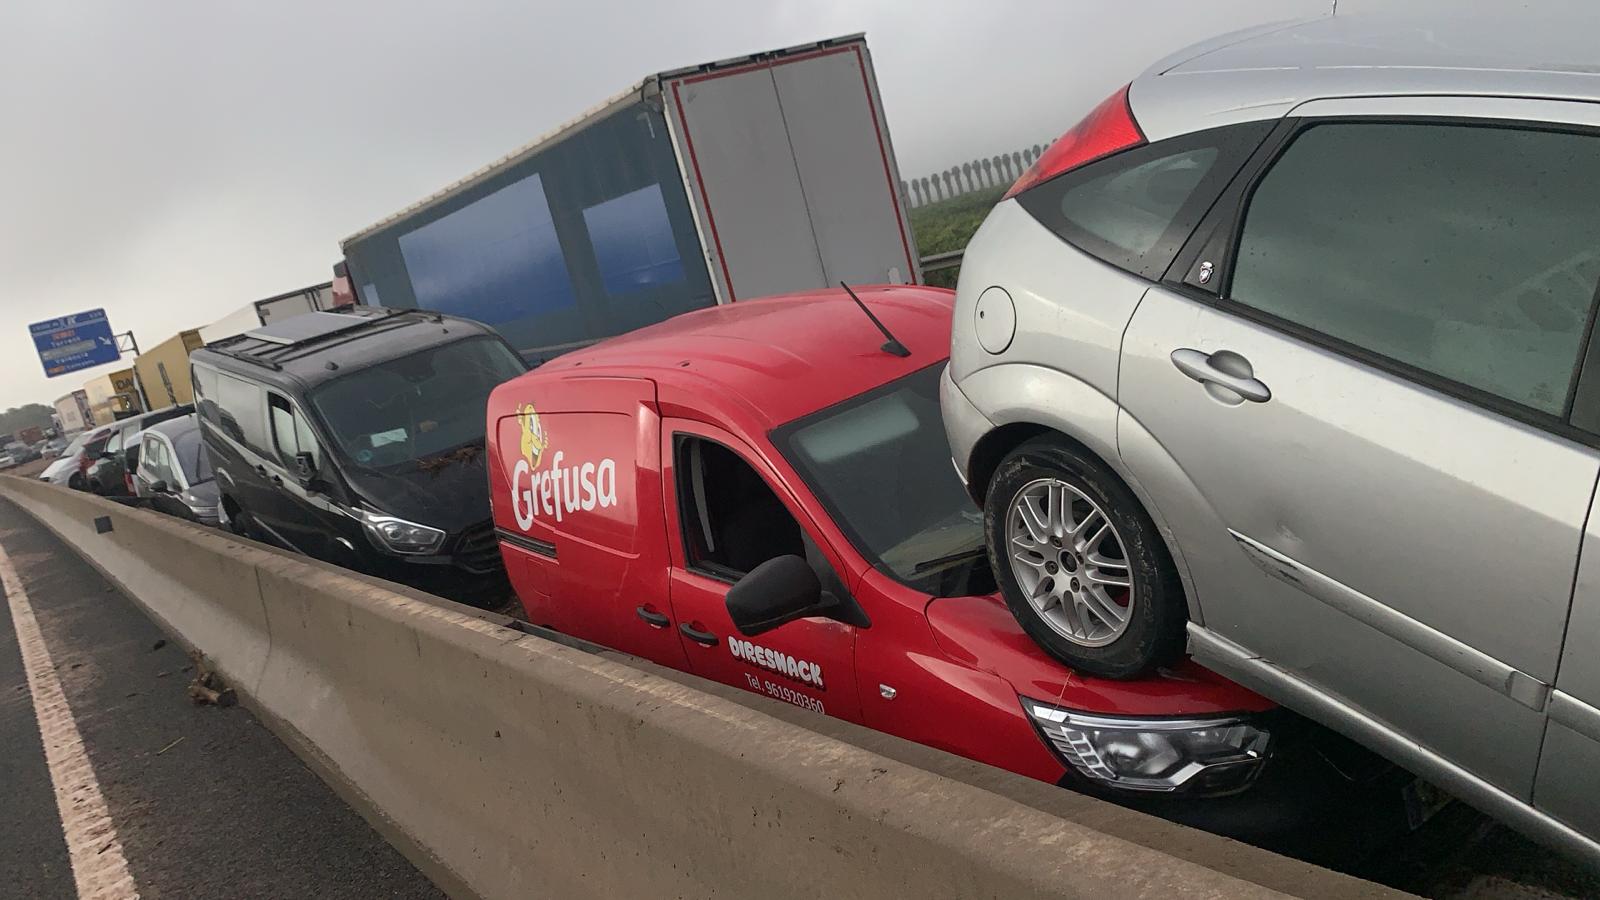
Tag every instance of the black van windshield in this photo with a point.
(880, 463)
(418, 405)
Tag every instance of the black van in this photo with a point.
(357, 437)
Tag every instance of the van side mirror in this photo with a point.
(159, 487)
(305, 468)
(779, 590)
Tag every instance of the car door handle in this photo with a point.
(703, 638)
(652, 618)
(1223, 368)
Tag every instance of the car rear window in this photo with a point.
(1135, 209)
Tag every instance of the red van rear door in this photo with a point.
(578, 509)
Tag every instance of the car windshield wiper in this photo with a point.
(939, 562)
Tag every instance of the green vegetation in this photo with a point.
(20, 417)
(948, 225)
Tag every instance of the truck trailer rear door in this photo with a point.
(790, 172)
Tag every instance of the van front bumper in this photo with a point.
(1319, 797)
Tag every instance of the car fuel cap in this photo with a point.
(995, 320)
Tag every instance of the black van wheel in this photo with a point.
(1080, 562)
(237, 520)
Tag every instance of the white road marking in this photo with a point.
(98, 866)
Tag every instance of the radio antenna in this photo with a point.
(890, 344)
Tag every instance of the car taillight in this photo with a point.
(1109, 128)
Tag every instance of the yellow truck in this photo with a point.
(164, 369)
(113, 396)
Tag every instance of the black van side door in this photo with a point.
(233, 418)
(308, 511)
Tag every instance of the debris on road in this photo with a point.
(158, 645)
(207, 686)
(169, 746)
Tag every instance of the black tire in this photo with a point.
(1156, 623)
(238, 520)
(76, 482)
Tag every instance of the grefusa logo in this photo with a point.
(558, 489)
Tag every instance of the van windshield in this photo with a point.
(880, 463)
(418, 405)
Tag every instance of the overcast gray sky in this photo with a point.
(172, 160)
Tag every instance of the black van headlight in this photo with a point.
(1190, 756)
(400, 536)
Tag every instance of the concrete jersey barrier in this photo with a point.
(507, 765)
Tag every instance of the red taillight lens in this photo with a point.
(1109, 128)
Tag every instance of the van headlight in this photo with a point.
(400, 536)
(1193, 757)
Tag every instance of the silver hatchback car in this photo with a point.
(1283, 357)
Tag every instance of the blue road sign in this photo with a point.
(70, 343)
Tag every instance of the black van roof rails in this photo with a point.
(268, 345)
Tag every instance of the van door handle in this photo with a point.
(703, 638)
(1225, 369)
(652, 618)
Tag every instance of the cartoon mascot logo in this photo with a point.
(533, 437)
(559, 489)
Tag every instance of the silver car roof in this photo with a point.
(1264, 72)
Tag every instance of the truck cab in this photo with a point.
(761, 494)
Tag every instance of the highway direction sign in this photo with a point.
(70, 343)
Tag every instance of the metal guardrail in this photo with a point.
(938, 261)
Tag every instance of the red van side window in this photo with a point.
(732, 521)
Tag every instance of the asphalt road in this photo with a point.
(205, 801)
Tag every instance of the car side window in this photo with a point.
(732, 520)
(291, 433)
(205, 393)
(1469, 252)
(114, 443)
(147, 458)
(155, 455)
(1135, 209)
(240, 414)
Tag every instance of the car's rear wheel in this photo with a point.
(1080, 562)
(76, 482)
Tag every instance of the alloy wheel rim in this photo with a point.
(1070, 562)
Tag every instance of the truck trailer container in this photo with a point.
(164, 369)
(72, 411)
(112, 397)
(736, 179)
(257, 313)
(292, 303)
